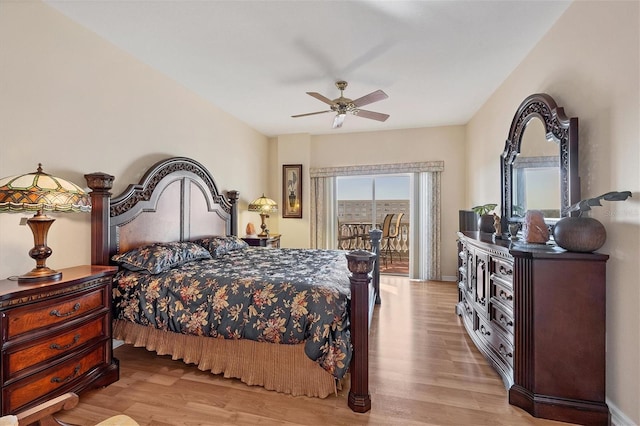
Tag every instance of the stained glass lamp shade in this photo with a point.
(39, 192)
(264, 206)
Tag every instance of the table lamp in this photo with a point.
(38, 192)
(264, 206)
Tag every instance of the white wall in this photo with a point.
(589, 63)
(292, 149)
(75, 103)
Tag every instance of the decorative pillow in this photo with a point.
(160, 257)
(219, 246)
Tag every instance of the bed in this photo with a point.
(291, 320)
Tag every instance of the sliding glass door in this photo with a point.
(379, 201)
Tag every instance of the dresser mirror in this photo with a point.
(539, 165)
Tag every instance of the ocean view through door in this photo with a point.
(378, 201)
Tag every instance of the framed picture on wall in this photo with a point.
(292, 191)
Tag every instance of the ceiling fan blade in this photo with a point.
(371, 114)
(372, 97)
(337, 122)
(310, 113)
(321, 98)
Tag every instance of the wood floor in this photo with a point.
(397, 267)
(424, 371)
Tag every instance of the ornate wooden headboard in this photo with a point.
(176, 200)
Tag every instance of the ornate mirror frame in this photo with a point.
(558, 128)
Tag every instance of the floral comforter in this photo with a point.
(270, 295)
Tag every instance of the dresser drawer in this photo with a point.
(501, 318)
(55, 380)
(502, 269)
(22, 357)
(60, 310)
(499, 344)
(501, 294)
(467, 312)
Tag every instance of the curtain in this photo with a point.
(322, 209)
(430, 220)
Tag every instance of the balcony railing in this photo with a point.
(355, 235)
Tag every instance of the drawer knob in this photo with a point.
(69, 377)
(484, 331)
(505, 271)
(67, 346)
(505, 296)
(56, 313)
(503, 351)
(503, 320)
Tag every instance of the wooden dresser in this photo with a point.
(56, 336)
(537, 313)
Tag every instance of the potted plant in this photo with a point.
(582, 233)
(485, 222)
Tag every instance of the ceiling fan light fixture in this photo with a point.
(343, 105)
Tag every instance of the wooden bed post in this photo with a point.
(360, 264)
(233, 196)
(100, 184)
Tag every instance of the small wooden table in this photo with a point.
(270, 241)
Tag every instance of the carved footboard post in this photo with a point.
(100, 184)
(360, 264)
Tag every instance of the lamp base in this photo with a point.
(263, 226)
(39, 274)
(40, 224)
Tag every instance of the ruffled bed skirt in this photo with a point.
(282, 368)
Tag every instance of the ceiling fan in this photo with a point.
(343, 105)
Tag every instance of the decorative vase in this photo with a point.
(485, 223)
(581, 234)
(292, 199)
(513, 230)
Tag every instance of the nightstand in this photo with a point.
(271, 241)
(56, 337)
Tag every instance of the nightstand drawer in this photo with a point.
(272, 241)
(42, 315)
(54, 380)
(18, 360)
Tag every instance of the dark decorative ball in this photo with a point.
(581, 234)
